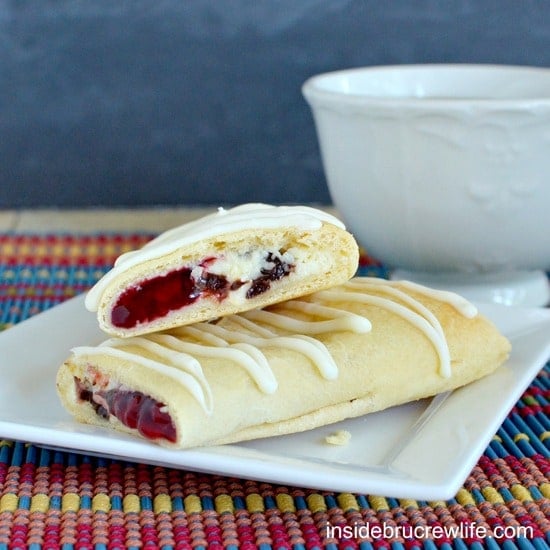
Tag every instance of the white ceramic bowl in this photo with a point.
(443, 170)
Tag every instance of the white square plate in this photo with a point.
(423, 450)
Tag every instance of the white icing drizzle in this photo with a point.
(239, 218)
(246, 356)
(336, 319)
(185, 379)
(177, 353)
(170, 350)
(199, 335)
(315, 350)
(437, 338)
(463, 306)
(252, 327)
(407, 307)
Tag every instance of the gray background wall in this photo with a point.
(166, 102)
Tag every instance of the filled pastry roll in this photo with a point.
(359, 347)
(231, 261)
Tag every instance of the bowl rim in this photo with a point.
(315, 93)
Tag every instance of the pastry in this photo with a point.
(231, 261)
(359, 347)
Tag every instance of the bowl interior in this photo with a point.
(437, 82)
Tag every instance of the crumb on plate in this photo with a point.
(341, 437)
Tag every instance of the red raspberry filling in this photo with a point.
(156, 297)
(134, 409)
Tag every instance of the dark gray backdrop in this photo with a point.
(166, 102)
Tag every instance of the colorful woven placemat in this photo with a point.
(52, 499)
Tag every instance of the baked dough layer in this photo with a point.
(234, 260)
(360, 347)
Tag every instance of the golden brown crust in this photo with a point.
(324, 258)
(392, 364)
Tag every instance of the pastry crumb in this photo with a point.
(341, 437)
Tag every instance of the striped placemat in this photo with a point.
(53, 499)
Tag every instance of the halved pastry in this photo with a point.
(360, 347)
(231, 261)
